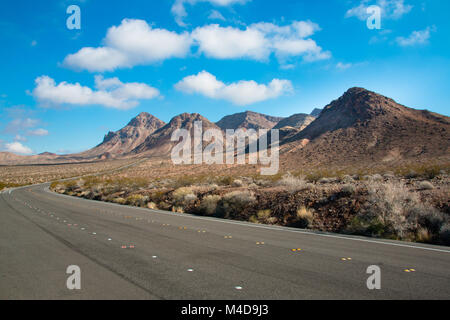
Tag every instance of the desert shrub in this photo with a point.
(208, 204)
(293, 183)
(237, 183)
(53, 185)
(136, 200)
(431, 172)
(225, 180)
(376, 177)
(236, 201)
(177, 209)
(427, 217)
(70, 186)
(347, 179)
(264, 215)
(190, 197)
(385, 211)
(213, 186)
(304, 217)
(157, 196)
(316, 175)
(119, 200)
(152, 205)
(184, 181)
(426, 185)
(348, 189)
(389, 176)
(423, 235)
(393, 211)
(444, 234)
(183, 195)
(253, 219)
(325, 180)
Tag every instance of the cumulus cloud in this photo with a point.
(415, 38)
(133, 42)
(240, 93)
(110, 93)
(390, 9)
(231, 43)
(258, 41)
(17, 147)
(179, 7)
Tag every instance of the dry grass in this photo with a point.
(363, 201)
(12, 176)
(292, 183)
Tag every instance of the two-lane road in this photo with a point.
(132, 253)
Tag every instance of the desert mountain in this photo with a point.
(365, 127)
(8, 158)
(127, 138)
(316, 112)
(159, 144)
(248, 120)
(299, 121)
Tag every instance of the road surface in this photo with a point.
(132, 253)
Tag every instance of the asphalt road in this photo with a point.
(131, 253)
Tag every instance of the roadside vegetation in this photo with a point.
(410, 204)
(21, 175)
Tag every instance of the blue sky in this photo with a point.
(61, 90)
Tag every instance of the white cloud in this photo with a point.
(133, 42)
(179, 10)
(259, 40)
(343, 66)
(240, 93)
(415, 38)
(18, 137)
(216, 15)
(110, 93)
(20, 124)
(231, 43)
(390, 9)
(17, 147)
(38, 132)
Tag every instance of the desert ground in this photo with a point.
(408, 203)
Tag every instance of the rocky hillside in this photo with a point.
(248, 120)
(366, 127)
(128, 138)
(299, 121)
(159, 144)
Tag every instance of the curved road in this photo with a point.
(132, 253)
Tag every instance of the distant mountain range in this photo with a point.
(360, 126)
